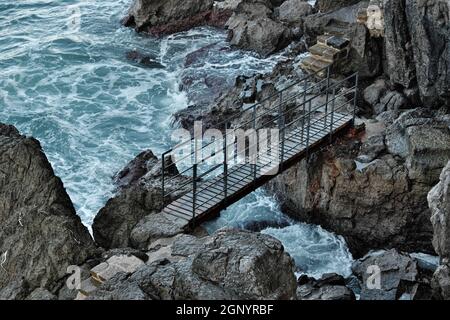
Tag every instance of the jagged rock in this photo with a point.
(439, 202)
(379, 201)
(390, 101)
(293, 11)
(330, 5)
(329, 287)
(441, 282)
(230, 264)
(373, 93)
(41, 235)
(423, 140)
(160, 17)
(114, 222)
(252, 28)
(135, 169)
(417, 47)
(41, 294)
(391, 267)
(144, 60)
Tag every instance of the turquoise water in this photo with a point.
(66, 81)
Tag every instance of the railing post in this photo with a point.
(194, 189)
(327, 97)
(332, 114)
(281, 128)
(304, 110)
(162, 182)
(225, 167)
(355, 97)
(308, 128)
(255, 160)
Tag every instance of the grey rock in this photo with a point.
(41, 294)
(393, 268)
(381, 200)
(441, 282)
(252, 28)
(330, 5)
(439, 202)
(391, 101)
(144, 14)
(417, 44)
(114, 223)
(230, 264)
(329, 287)
(293, 11)
(41, 234)
(374, 92)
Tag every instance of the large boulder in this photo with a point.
(293, 11)
(252, 27)
(417, 46)
(160, 17)
(140, 194)
(329, 287)
(390, 275)
(41, 235)
(372, 188)
(230, 264)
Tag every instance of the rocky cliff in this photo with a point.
(41, 235)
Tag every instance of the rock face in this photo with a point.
(439, 201)
(140, 195)
(329, 287)
(389, 275)
(252, 27)
(372, 189)
(292, 11)
(330, 5)
(41, 235)
(159, 17)
(229, 264)
(417, 46)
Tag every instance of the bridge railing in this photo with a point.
(294, 110)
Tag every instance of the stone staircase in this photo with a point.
(329, 50)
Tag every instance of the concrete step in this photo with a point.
(120, 263)
(325, 53)
(312, 64)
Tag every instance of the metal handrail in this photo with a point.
(282, 111)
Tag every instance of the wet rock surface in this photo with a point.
(166, 17)
(41, 235)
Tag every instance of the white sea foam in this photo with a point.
(93, 110)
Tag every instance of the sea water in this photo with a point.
(65, 80)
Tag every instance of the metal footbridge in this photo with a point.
(201, 177)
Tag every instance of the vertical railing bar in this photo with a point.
(332, 114)
(225, 166)
(355, 97)
(255, 159)
(327, 96)
(281, 128)
(304, 109)
(162, 182)
(308, 128)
